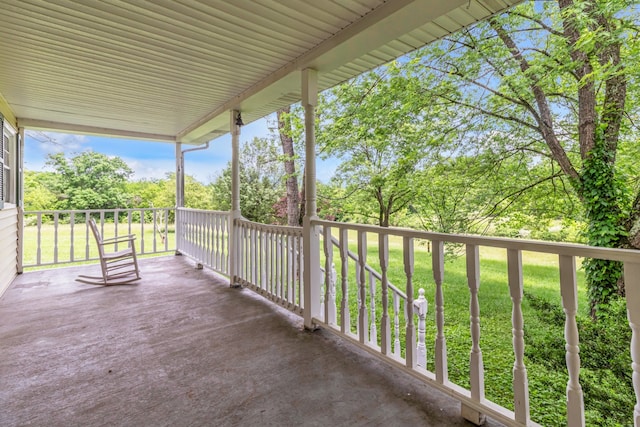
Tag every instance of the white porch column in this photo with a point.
(20, 198)
(234, 247)
(179, 176)
(311, 234)
(179, 194)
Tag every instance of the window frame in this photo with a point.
(8, 165)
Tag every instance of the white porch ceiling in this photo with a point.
(171, 69)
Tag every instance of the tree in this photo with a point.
(90, 180)
(261, 181)
(383, 133)
(161, 193)
(37, 195)
(555, 77)
(293, 193)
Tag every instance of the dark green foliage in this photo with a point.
(603, 197)
(261, 182)
(605, 373)
(89, 180)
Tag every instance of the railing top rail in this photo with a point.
(54, 211)
(570, 249)
(281, 228)
(203, 211)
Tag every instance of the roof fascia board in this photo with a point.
(7, 112)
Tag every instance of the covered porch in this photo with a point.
(181, 347)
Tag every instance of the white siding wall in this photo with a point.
(8, 247)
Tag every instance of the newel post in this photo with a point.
(311, 234)
(234, 246)
(632, 290)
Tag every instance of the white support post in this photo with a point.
(20, 200)
(312, 272)
(179, 193)
(179, 176)
(234, 242)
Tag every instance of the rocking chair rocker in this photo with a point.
(119, 267)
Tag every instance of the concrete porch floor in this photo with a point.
(181, 348)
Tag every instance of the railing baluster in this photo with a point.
(166, 229)
(520, 381)
(396, 324)
(289, 261)
(632, 291)
(345, 317)
(39, 244)
(55, 237)
(329, 290)
(437, 265)
(363, 324)
(385, 325)
(279, 266)
(254, 261)
(475, 358)
(71, 225)
(115, 226)
(269, 263)
(87, 216)
(411, 361)
(421, 348)
(263, 258)
(569, 293)
(154, 212)
(294, 268)
(142, 231)
(373, 329)
(301, 267)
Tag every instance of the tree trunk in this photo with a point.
(293, 201)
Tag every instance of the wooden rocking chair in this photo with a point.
(119, 267)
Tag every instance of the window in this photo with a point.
(8, 164)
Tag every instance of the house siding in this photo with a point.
(8, 247)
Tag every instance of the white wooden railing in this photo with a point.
(204, 236)
(369, 287)
(270, 261)
(384, 320)
(373, 293)
(63, 236)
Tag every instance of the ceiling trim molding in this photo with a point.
(90, 130)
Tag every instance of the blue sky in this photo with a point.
(149, 159)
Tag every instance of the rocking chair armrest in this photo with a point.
(119, 239)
